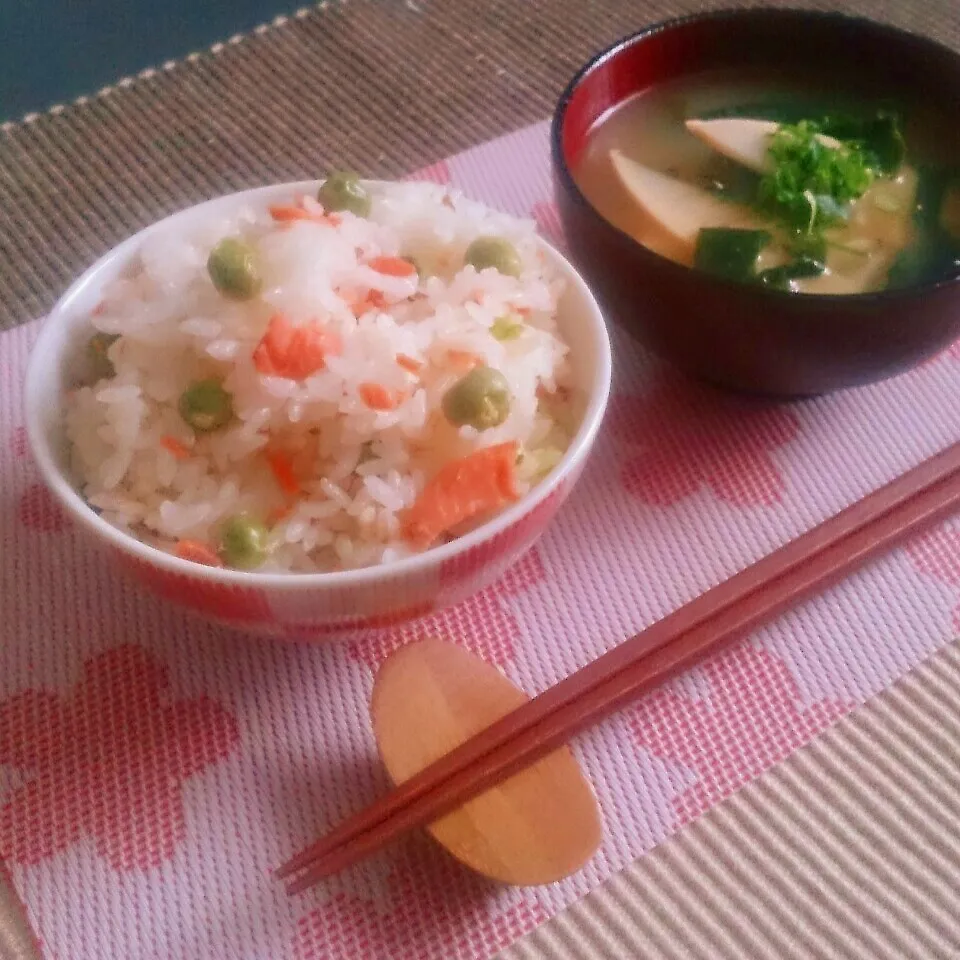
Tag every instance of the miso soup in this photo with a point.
(765, 180)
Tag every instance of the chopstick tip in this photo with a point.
(299, 861)
(300, 885)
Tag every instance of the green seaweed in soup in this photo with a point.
(936, 250)
(818, 193)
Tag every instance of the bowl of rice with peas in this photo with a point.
(315, 407)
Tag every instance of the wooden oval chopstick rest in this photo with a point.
(815, 560)
(535, 827)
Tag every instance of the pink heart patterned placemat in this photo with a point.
(155, 769)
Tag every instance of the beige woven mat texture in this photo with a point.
(381, 86)
(848, 850)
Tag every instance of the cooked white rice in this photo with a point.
(358, 469)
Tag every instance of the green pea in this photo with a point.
(344, 191)
(243, 543)
(206, 406)
(101, 366)
(233, 268)
(506, 328)
(481, 399)
(494, 252)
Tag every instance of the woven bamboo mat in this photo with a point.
(848, 850)
(382, 86)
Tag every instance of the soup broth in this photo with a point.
(763, 179)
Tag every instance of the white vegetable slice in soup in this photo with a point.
(861, 252)
(675, 211)
(743, 140)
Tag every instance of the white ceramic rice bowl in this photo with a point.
(309, 604)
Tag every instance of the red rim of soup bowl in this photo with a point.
(685, 47)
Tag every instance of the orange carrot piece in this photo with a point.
(465, 358)
(377, 397)
(180, 450)
(290, 213)
(410, 364)
(197, 552)
(287, 213)
(392, 266)
(294, 352)
(283, 472)
(270, 353)
(371, 300)
(477, 484)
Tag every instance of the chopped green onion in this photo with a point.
(812, 183)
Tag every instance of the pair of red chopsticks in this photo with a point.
(812, 562)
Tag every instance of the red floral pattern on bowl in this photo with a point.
(483, 623)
